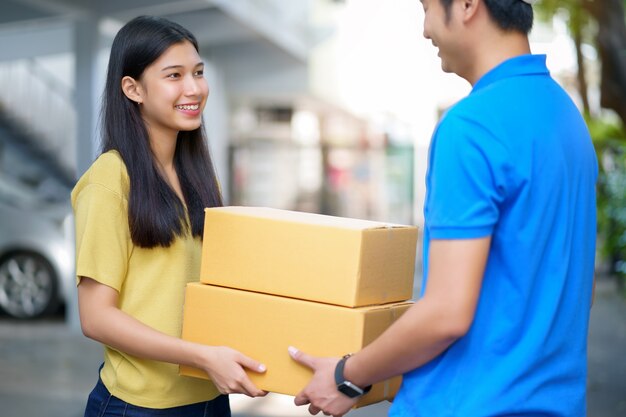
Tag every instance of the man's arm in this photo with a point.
(443, 315)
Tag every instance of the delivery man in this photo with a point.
(509, 241)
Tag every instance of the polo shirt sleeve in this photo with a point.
(466, 180)
(102, 235)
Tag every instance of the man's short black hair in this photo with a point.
(514, 15)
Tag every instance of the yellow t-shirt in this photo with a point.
(150, 283)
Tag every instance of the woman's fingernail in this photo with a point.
(262, 368)
(292, 350)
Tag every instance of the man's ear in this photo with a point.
(132, 89)
(470, 7)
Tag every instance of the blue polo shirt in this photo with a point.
(514, 161)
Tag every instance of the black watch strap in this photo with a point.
(347, 387)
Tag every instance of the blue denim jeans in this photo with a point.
(102, 404)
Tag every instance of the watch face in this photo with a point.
(349, 389)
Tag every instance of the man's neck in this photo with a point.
(499, 49)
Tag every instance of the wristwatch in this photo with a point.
(347, 387)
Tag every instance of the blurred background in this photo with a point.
(324, 106)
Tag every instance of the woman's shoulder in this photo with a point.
(107, 171)
(108, 164)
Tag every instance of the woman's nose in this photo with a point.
(192, 86)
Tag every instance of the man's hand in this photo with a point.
(321, 392)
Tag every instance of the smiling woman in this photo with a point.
(171, 92)
(139, 218)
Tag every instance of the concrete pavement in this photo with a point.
(45, 370)
(607, 353)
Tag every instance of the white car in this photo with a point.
(36, 253)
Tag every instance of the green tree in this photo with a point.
(580, 24)
(611, 45)
(601, 23)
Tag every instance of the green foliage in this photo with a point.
(610, 143)
(577, 17)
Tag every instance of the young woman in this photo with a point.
(139, 220)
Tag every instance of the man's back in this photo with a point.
(514, 161)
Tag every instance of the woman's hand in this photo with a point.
(225, 367)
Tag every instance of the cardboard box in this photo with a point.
(263, 326)
(313, 257)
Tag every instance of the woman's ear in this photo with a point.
(132, 89)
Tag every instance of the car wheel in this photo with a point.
(28, 286)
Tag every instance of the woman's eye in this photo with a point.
(173, 75)
(199, 73)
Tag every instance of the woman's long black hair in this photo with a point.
(155, 213)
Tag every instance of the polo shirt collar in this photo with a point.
(516, 66)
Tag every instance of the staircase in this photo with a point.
(37, 126)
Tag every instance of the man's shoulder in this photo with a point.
(473, 107)
(465, 118)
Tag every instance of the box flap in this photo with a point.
(307, 218)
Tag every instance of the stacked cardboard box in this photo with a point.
(275, 278)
